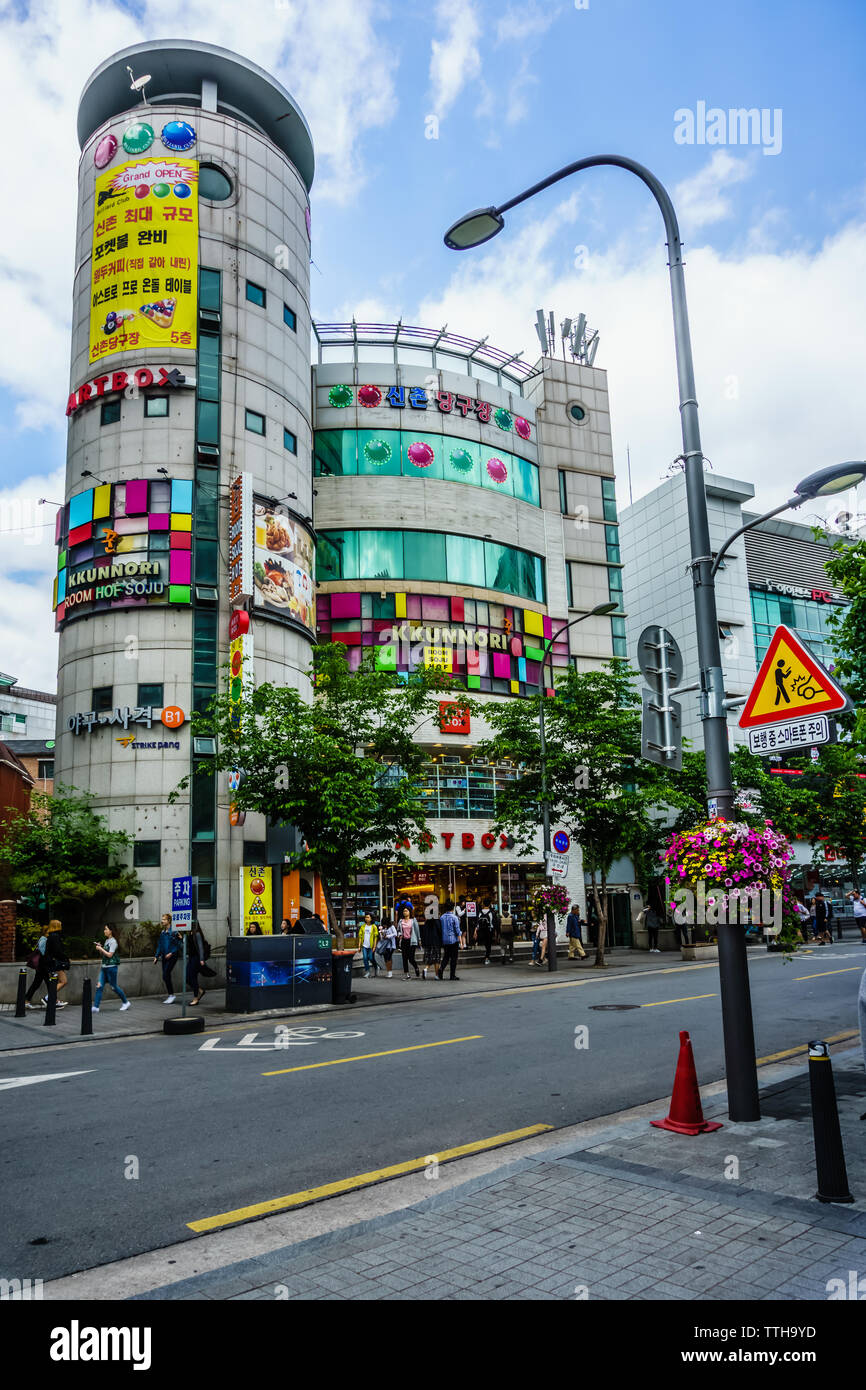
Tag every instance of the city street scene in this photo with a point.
(433, 715)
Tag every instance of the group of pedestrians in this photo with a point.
(168, 949)
(440, 939)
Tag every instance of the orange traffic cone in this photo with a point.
(686, 1115)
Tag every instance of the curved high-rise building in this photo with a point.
(189, 481)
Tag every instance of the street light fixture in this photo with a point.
(480, 226)
(599, 611)
(824, 483)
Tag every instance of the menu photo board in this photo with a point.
(283, 564)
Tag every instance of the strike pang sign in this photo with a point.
(138, 378)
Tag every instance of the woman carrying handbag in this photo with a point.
(196, 965)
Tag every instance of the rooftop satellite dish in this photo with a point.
(138, 84)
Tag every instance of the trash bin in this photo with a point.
(341, 977)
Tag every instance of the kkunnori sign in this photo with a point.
(791, 684)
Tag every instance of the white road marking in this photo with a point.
(13, 1081)
(303, 1036)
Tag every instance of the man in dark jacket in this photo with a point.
(574, 932)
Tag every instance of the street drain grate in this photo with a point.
(600, 1007)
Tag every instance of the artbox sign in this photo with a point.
(453, 718)
(135, 379)
(456, 842)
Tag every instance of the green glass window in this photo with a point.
(203, 799)
(336, 452)
(563, 492)
(420, 454)
(614, 581)
(213, 183)
(290, 318)
(206, 511)
(102, 697)
(207, 422)
(378, 451)
(208, 382)
(146, 854)
(569, 584)
(254, 422)
(424, 555)
(380, 554)
(526, 484)
(155, 407)
(109, 412)
(290, 441)
(209, 295)
(150, 695)
(204, 647)
(338, 553)
(206, 562)
(465, 560)
(611, 536)
(256, 294)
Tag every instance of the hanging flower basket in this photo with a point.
(552, 898)
(734, 873)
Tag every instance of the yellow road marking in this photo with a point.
(684, 1000)
(332, 1189)
(818, 973)
(365, 1057)
(795, 1051)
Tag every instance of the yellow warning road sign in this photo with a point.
(791, 684)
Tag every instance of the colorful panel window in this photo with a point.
(399, 605)
(126, 525)
(80, 509)
(61, 560)
(180, 567)
(181, 522)
(533, 672)
(534, 624)
(547, 627)
(102, 500)
(457, 610)
(434, 609)
(159, 521)
(345, 605)
(58, 524)
(61, 586)
(181, 495)
(501, 665)
(351, 639)
(521, 668)
(81, 533)
(180, 540)
(386, 657)
(128, 545)
(534, 653)
(136, 497)
(515, 687)
(179, 593)
(473, 682)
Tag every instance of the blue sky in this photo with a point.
(775, 243)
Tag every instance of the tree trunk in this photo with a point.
(601, 915)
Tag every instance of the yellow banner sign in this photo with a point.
(257, 899)
(144, 269)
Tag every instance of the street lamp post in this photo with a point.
(478, 227)
(597, 612)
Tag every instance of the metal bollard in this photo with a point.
(829, 1154)
(86, 1002)
(51, 1006)
(20, 1011)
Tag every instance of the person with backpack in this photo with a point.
(409, 938)
(36, 961)
(452, 940)
(484, 930)
(387, 941)
(574, 932)
(506, 934)
(108, 970)
(167, 951)
(56, 959)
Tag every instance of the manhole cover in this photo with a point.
(600, 1007)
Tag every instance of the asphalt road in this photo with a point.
(207, 1131)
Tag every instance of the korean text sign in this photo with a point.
(144, 268)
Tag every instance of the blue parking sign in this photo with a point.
(182, 902)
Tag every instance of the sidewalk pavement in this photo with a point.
(147, 1014)
(611, 1209)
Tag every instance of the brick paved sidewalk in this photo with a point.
(636, 1213)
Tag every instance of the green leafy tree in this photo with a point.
(61, 857)
(598, 787)
(846, 569)
(343, 768)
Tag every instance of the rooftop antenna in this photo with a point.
(564, 331)
(541, 330)
(138, 84)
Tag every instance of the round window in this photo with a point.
(577, 413)
(213, 184)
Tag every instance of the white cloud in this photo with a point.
(454, 59)
(526, 22)
(517, 104)
(329, 56)
(28, 564)
(700, 200)
(776, 340)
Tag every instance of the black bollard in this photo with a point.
(829, 1154)
(51, 1006)
(86, 1002)
(20, 1010)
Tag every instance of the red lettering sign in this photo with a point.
(821, 595)
(453, 718)
(488, 840)
(144, 377)
(447, 837)
(119, 381)
(468, 839)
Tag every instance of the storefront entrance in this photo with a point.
(429, 886)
